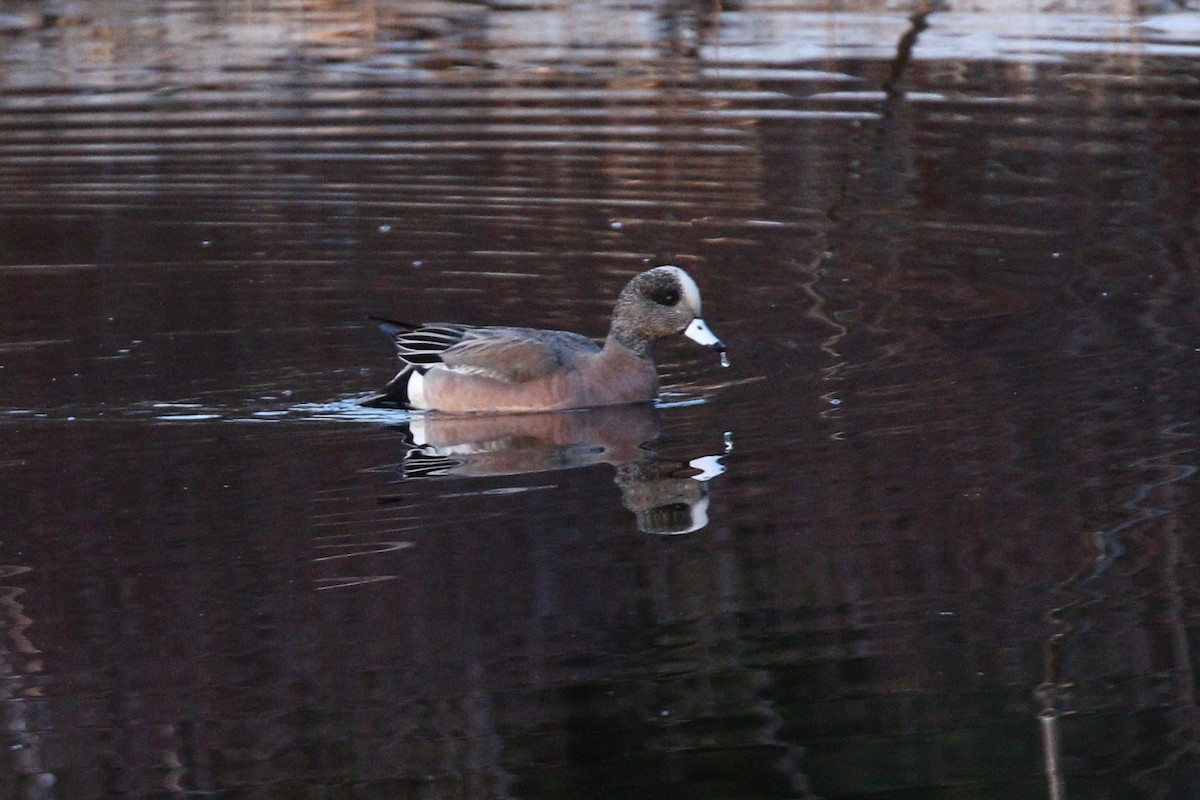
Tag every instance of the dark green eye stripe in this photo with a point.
(664, 295)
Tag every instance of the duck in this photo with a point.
(463, 369)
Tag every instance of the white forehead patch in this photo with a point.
(691, 292)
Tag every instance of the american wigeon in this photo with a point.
(461, 368)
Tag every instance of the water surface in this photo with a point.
(931, 534)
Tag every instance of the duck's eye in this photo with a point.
(664, 295)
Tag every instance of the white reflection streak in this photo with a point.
(364, 549)
(344, 583)
(1051, 748)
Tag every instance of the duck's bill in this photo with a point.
(698, 332)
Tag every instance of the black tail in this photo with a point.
(392, 327)
(395, 394)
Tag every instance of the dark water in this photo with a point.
(934, 530)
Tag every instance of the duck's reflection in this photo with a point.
(666, 496)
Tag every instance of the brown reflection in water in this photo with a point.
(666, 496)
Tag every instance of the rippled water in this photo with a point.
(931, 535)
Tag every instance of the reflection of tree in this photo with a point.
(22, 726)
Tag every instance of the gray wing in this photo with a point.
(516, 355)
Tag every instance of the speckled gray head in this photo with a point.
(659, 302)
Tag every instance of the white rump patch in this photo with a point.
(416, 391)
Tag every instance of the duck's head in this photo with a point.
(657, 303)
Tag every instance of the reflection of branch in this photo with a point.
(15, 620)
(1177, 616)
(1187, 718)
(1079, 590)
(875, 141)
(1108, 544)
(19, 736)
(1051, 751)
(1051, 692)
(919, 20)
(819, 311)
